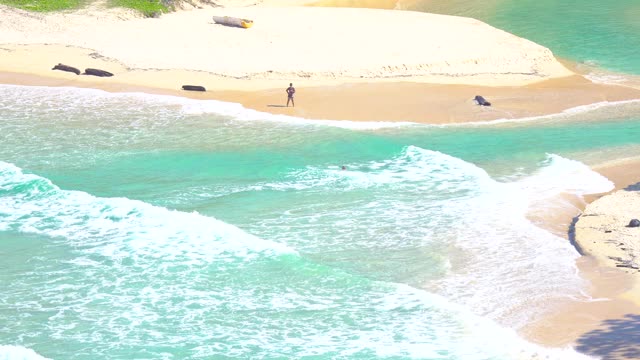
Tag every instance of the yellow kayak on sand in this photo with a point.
(232, 21)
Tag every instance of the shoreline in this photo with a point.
(378, 102)
(568, 322)
(608, 292)
(602, 232)
(381, 79)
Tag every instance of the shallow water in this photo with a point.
(140, 226)
(601, 34)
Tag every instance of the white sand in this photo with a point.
(602, 232)
(286, 43)
(244, 3)
(602, 229)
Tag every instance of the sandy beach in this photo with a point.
(614, 291)
(431, 83)
(602, 229)
(346, 66)
(359, 49)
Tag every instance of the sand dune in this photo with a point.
(355, 64)
(293, 43)
(602, 232)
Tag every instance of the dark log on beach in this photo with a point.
(628, 266)
(97, 72)
(193, 88)
(68, 68)
(634, 223)
(482, 101)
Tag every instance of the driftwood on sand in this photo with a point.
(193, 88)
(232, 21)
(97, 72)
(67, 68)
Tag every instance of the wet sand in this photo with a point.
(393, 101)
(432, 103)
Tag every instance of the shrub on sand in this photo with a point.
(44, 5)
(149, 8)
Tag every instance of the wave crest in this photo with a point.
(11, 352)
(119, 226)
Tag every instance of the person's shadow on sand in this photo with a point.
(271, 105)
(616, 339)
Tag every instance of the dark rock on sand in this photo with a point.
(67, 68)
(97, 72)
(193, 88)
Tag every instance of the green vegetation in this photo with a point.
(150, 8)
(44, 5)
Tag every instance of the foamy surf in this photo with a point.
(395, 320)
(78, 97)
(425, 168)
(12, 352)
(461, 207)
(599, 109)
(503, 342)
(597, 74)
(561, 175)
(397, 219)
(32, 204)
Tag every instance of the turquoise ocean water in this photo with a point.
(154, 227)
(602, 34)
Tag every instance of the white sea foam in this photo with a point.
(421, 201)
(565, 115)
(160, 283)
(414, 166)
(119, 227)
(486, 334)
(238, 112)
(417, 198)
(78, 97)
(12, 352)
(508, 280)
(69, 97)
(557, 175)
(598, 74)
(426, 169)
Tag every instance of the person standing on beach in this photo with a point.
(290, 91)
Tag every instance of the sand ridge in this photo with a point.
(297, 43)
(602, 231)
(339, 59)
